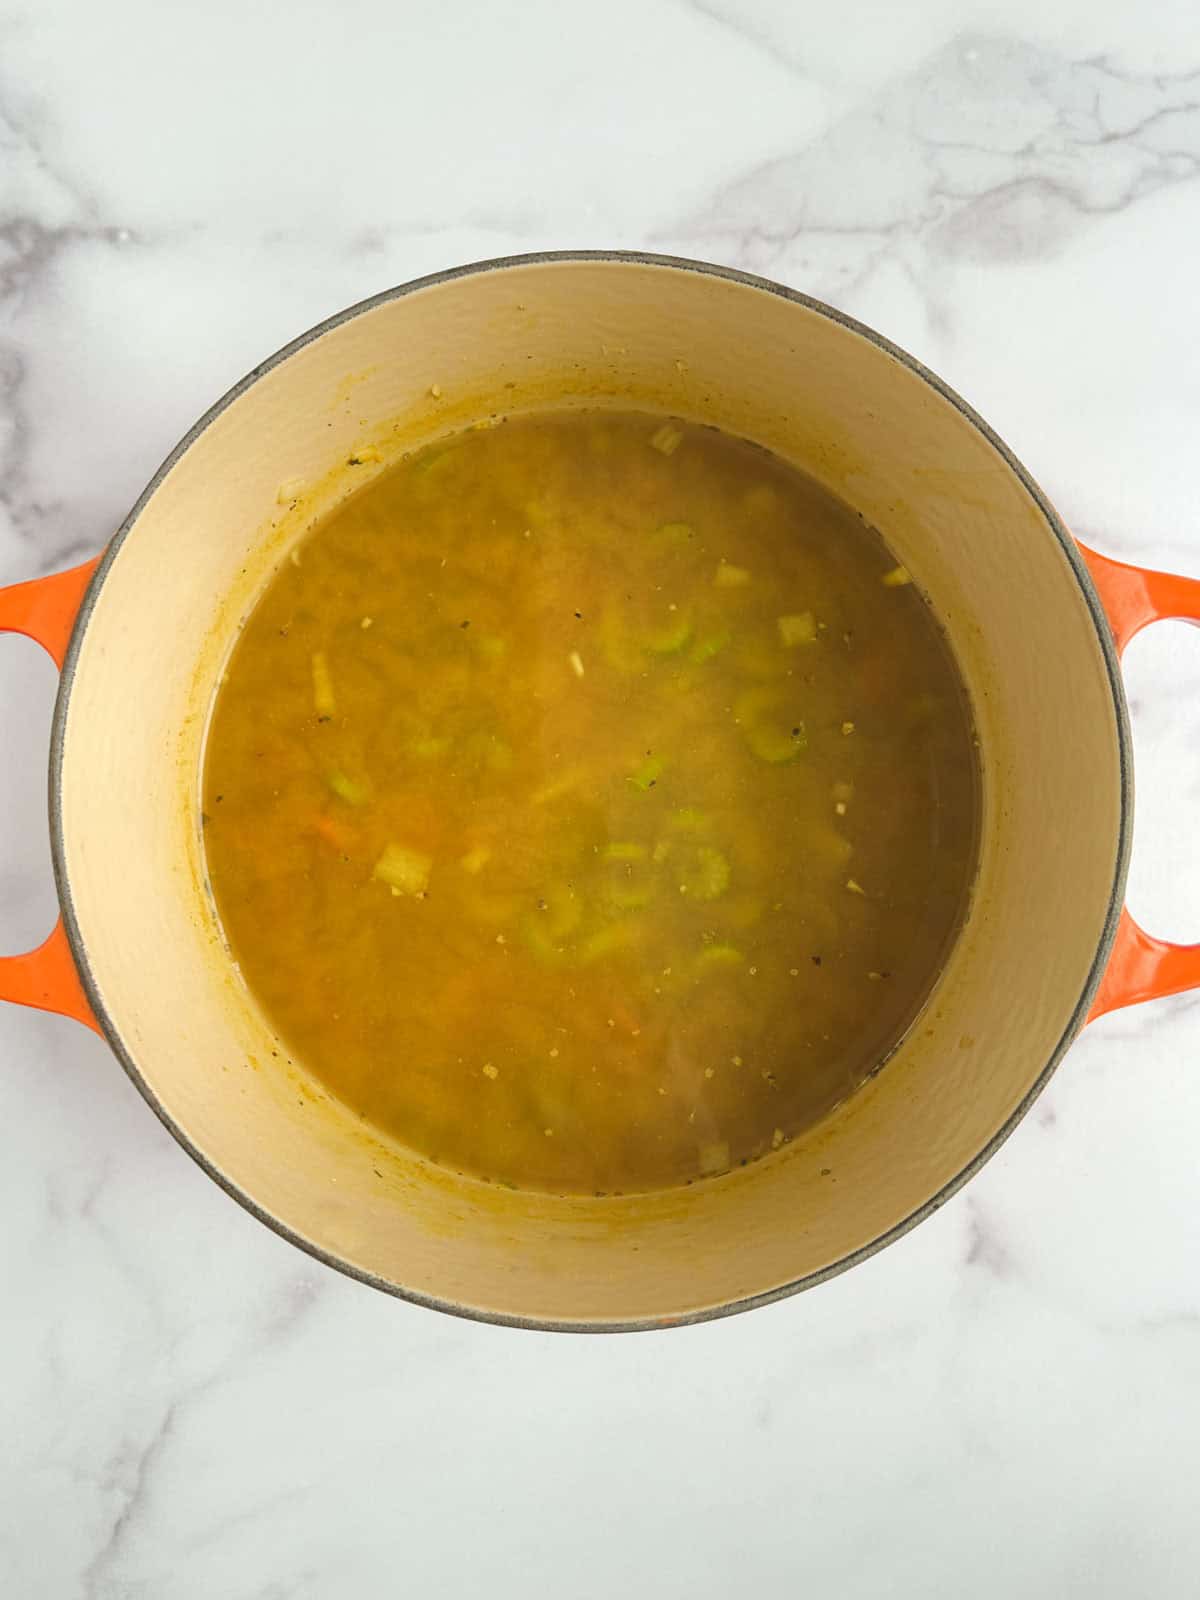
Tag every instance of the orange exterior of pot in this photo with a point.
(45, 610)
(144, 958)
(1142, 967)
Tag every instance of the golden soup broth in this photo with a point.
(590, 802)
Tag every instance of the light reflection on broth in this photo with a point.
(591, 803)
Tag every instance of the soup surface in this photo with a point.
(590, 802)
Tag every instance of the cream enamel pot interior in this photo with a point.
(142, 635)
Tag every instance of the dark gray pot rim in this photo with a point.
(748, 1302)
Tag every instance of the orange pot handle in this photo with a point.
(45, 610)
(1142, 967)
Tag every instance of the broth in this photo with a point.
(591, 801)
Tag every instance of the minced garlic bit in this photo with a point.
(404, 870)
(727, 576)
(847, 727)
(840, 808)
(667, 439)
(490, 1071)
(554, 1052)
(714, 1157)
(854, 886)
(896, 578)
(576, 661)
(737, 1060)
(322, 681)
(435, 390)
(776, 1138)
(710, 1072)
(798, 628)
(367, 622)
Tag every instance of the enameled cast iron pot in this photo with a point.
(1036, 623)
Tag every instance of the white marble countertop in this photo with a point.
(1006, 1403)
